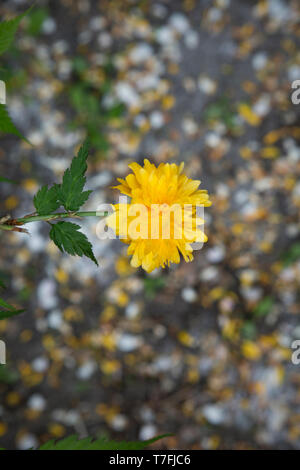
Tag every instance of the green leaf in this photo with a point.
(66, 236)
(153, 285)
(73, 443)
(7, 375)
(80, 64)
(291, 255)
(46, 201)
(3, 278)
(88, 443)
(71, 193)
(248, 330)
(6, 180)
(6, 124)
(10, 311)
(264, 306)
(8, 30)
(220, 110)
(6, 305)
(4, 314)
(116, 111)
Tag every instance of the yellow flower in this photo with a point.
(165, 200)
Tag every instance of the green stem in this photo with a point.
(49, 217)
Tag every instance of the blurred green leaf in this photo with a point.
(10, 311)
(36, 19)
(46, 201)
(291, 255)
(67, 237)
(70, 192)
(116, 111)
(87, 99)
(5, 304)
(248, 330)
(220, 110)
(88, 443)
(16, 79)
(3, 277)
(8, 376)
(4, 314)
(6, 124)
(153, 285)
(24, 294)
(73, 443)
(6, 180)
(79, 65)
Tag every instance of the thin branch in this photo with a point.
(12, 225)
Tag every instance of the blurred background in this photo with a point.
(201, 350)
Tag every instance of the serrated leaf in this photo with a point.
(153, 285)
(73, 443)
(67, 237)
(6, 124)
(46, 201)
(8, 30)
(71, 193)
(88, 443)
(7, 375)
